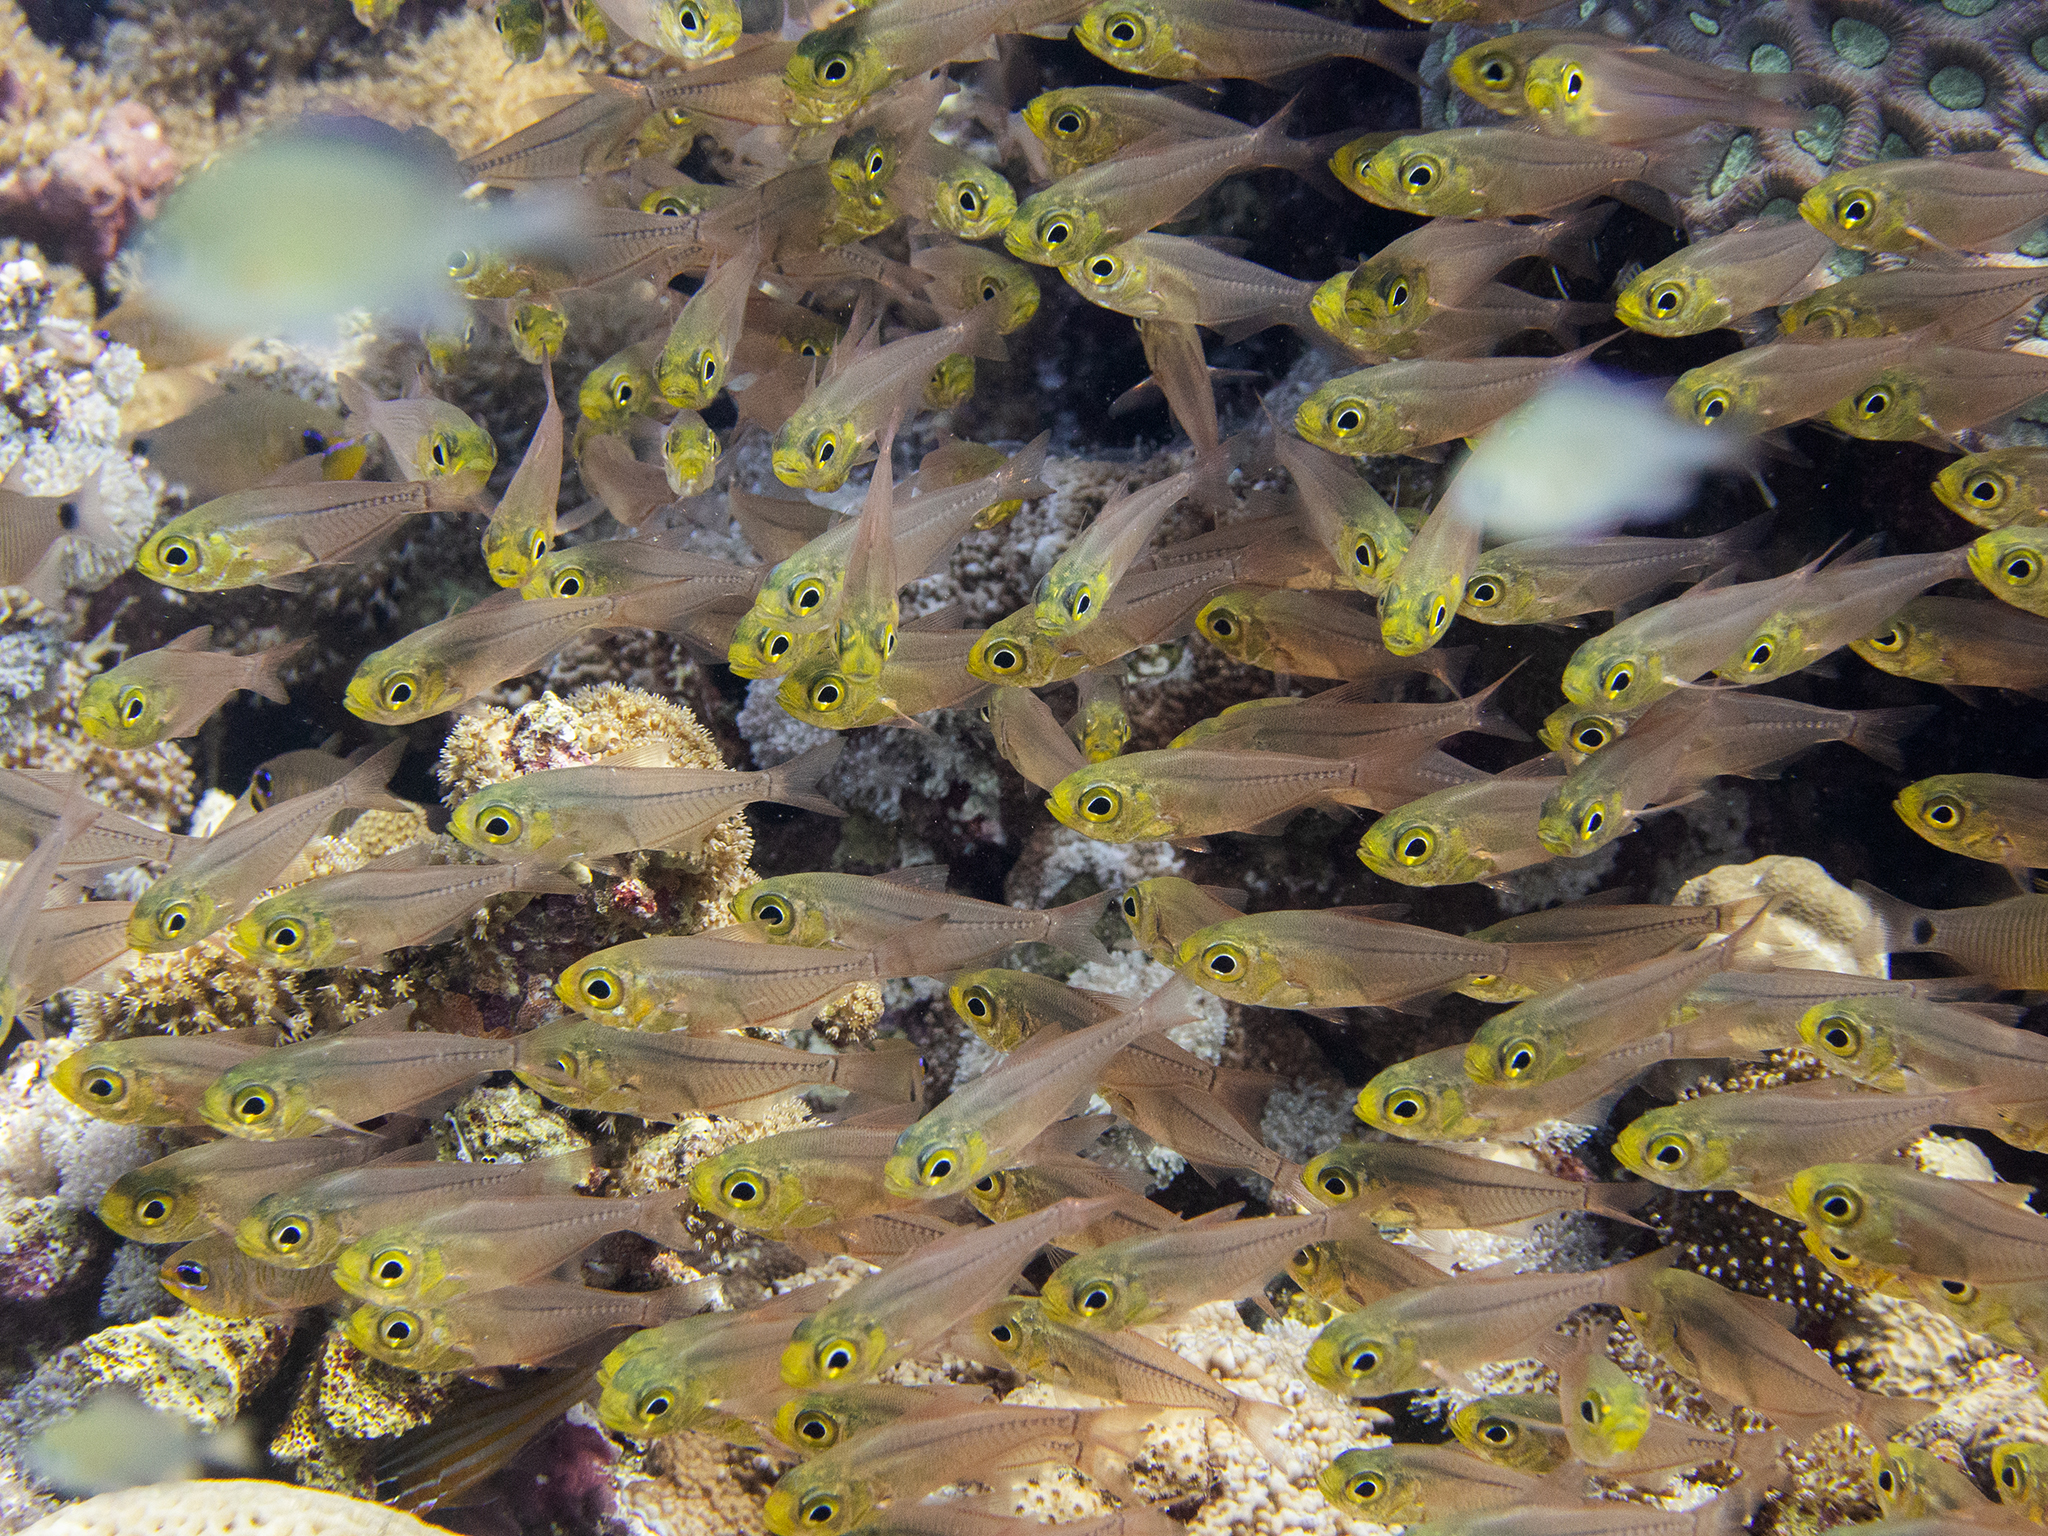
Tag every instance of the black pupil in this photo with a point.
(497, 826)
(1713, 409)
(101, 1087)
(600, 989)
(401, 693)
(1000, 1333)
(1099, 806)
(1005, 659)
(1520, 1061)
(835, 71)
(1494, 73)
(838, 1360)
(1067, 122)
(942, 1167)
(254, 1105)
(743, 1192)
(1836, 1207)
(1123, 32)
(778, 646)
(1347, 421)
(1420, 177)
(290, 1237)
(1223, 626)
(192, 1274)
(2020, 568)
(175, 555)
(571, 586)
(1668, 1156)
(1416, 847)
(1591, 738)
(1483, 592)
(391, 1269)
(1983, 490)
(1838, 1038)
(155, 1210)
(1104, 269)
(1760, 655)
(1095, 1301)
(1595, 821)
(977, 1007)
(987, 1185)
(1406, 1109)
(1495, 1434)
(1587, 1411)
(771, 914)
(1667, 301)
(1332, 1184)
(828, 694)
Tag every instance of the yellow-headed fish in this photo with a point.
(170, 692)
(151, 1079)
(824, 908)
(1084, 125)
(1399, 1184)
(340, 1080)
(1492, 173)
(1957, 203)
(1479, 831)
(522, 527)
(2004, 485)
(214, 1185)
(1405, 406)
(428, 438)
(1717, 281)
(270, 535)
(213, 1276)
(512, 1325)
(1409, 1484)
(1642, 95)
(1912, 1222)
(838, 67)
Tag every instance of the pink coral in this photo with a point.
(82, 201)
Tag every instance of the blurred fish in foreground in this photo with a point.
(353, 215)
(117, 1441)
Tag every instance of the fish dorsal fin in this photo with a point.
(638, 754)
(1066, 1138)
(411, 856)
(1215, 1218)
(392, 1021)
(1384, 912)
(888, 1117)
(191, 640)
(917, 877)
(1229, 895)
(1548, 766)
(2014, 1195)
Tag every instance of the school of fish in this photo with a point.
(1887, 302)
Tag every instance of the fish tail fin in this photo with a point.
(363, 786)
(1395, 52)
(796, 781)
(1447, 664)
(981, 332)
(1489, 719)
(1073, 928)
(891, 1071)
(358, 400)
(1629, 1284)
(267, 676)
(540, 874)
(685, 1300)
(659, 1218)
(1571, 240)
(1260, 1422)
(1878, 732)
(1882, 1418)
(1026, 463)
(1899, 919)
(1619, 1202)
(1736, 543)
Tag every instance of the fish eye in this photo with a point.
(1069, 123)
(989, 290)
(2020, 568)
(288, 1233)
(191, 1274)
(1591, 737)
(104, 1084)
(1366, 1488)
(1838, 1036)
(252, 1107)
(1518, 1059)
(1853, 209)
(708, 370)
(1589, 1408)
(877, 163)
(1591, 823)
(1100, 802)
(1003, 658)
(655, 1404)
(1760, 655)
(938, 1165)
(1102, 268)
(1419, 173)
(836, 1357)
(742, 1190)
(1888, 640)
(1711, 405)
(1396, 294)
(1666, 299)
(1003, 1333)
(1574, 83)
(1440, 615)
(1496, 72)
(1887, 1482)
(1058, 232)
(1222, 626)
(2009, 1475)
(1083, 605)
(440, 450)
(977, 1003)
(261, 787)
(1097, 1299)
(1985, 490)
(835, 68)
(1958, 1290)
(623, 392)
(970, 201)
(1366, 555)
(400, 689)
(1124, 30)
(1873, 403)
(499, 824)
(688, 20)
(826, 694)
(401, 1330)
(1224, 961)
(1669, 1151)
(821, 1511)
(1363, 1362)
(600, 988)
(778, 645)
(1943, 811)
(1499, 1431)
(816, 1427)
(1838, 1205)
(773, 913)
(1130, 905)
(174, 919)
(568, 583)
(1483, 592)
(1337, 1184)
(283, 936)
(987, 1184)
(133, 705)
(1405, 1105)
(562, 1065)
(1617, 679)
(538, 546)
(391, 1267)
(827, 448)
(1416, 847)
(1347, 420)
(153, 1212)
